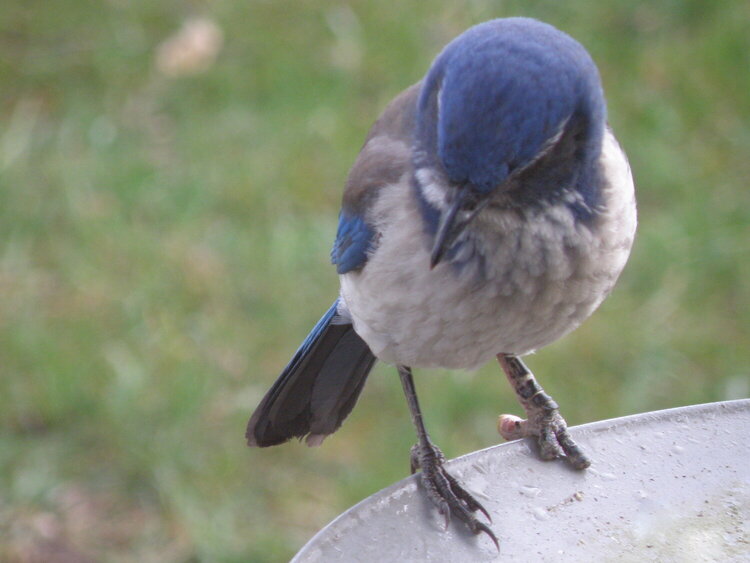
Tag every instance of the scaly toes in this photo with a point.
(551, 433)
(575, 455)
(446, 493)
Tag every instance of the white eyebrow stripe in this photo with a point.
(433, 192)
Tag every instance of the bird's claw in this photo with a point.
(550, 430)
(446, 493)
(544, 421)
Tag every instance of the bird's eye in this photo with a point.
(470, 200)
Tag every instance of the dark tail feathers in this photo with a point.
(317, 390)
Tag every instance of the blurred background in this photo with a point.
(170, 176)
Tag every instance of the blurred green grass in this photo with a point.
(164, 249)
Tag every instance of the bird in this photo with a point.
(489, 212)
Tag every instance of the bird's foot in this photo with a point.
(544, 421)
(551, 433)
(445, 492)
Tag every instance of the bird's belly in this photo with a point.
(434, 318)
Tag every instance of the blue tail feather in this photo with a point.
(317, 389)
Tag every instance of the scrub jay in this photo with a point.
(488, 214)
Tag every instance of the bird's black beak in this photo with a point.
(454, 220)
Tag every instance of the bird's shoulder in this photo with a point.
(383, 160)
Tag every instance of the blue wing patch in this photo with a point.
(353, 240)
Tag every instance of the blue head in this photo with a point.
(507, 98)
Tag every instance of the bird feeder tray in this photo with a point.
(671, 485)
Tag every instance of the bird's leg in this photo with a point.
(543, 422)
(442, 488)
